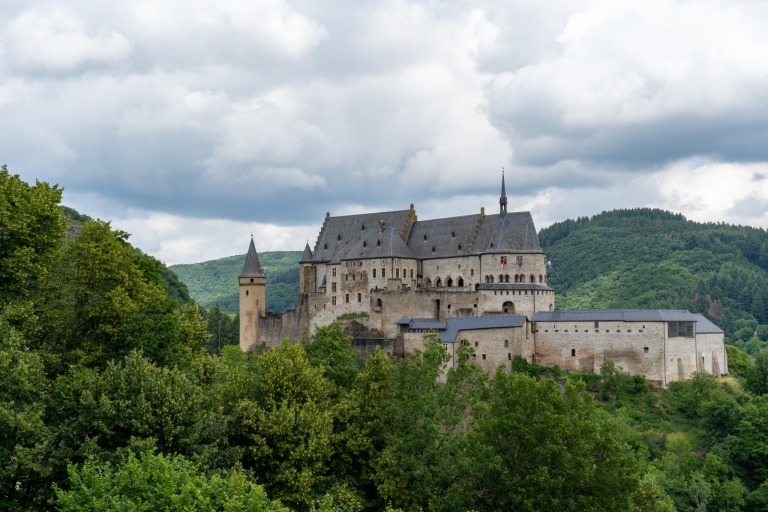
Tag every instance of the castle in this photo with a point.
(478, 278)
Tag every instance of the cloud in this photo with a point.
(58, 41)
(275, 112)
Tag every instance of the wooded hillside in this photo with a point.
(109, 401)
(215, 282)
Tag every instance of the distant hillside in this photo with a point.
(215, 282)
(647, 258)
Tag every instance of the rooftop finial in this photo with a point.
(503, 198)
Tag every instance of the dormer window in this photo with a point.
(363, 228)
(378, 243)
(338, 237)
(433, 249)
(459, 249)
(425, 236)
(453, 234)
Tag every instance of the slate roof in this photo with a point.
(704, 326)
(340, 234)
(448, 331)
(616, 315)
(441, 238)
(252, 266)
(471, 323)
(379, 244)
(307, 256)
(513, 286)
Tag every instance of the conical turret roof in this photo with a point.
(307, 256)
(252, 266)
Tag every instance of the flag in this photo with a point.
(549, 263)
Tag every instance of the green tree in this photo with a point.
(152, 482)
(280, 418)
(22, 387)
(756, 381)
(332, 351)
(547, 448)
(31, 232)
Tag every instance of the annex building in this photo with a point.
(481, 278)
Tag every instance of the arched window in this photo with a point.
(460, 282)
(533, 278)
(438, 283)
(490, 279)
(428, 283)
(506, 278)
(449, 282)
(501, 278)
(550, 307)
(508, 308)
(541, 278)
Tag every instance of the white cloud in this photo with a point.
(59, 41)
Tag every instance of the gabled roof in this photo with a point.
(615, 315)
(379, 244)
(513, 232)
(252, 266)
(441, 238)
(704, 326)
(340, 234)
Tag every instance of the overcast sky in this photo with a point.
(192, 124)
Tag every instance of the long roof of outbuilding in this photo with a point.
(615, 315)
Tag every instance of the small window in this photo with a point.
(374, 273)
(506, 343)
(333, 270)
(338, 237)
(573, 352)
(333, 300)
(597, 324)
(475, 343)
(425, 236)
(333, 287)
(483, 357)
(359, 297)
(645, 349)
(251, 279)
(509, 356)
(246, 293)
(346, 298)
(383, 273)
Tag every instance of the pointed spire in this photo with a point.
(252, 266)
(307, 256)
(503, 198)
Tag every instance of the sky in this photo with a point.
(195, 124)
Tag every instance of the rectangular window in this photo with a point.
(383, 273)
(334, 271)
(509, 356)
(333, 287)
(680, 329)
(483, 357)
(333, 300)
(411, 273)
(397, 273)
(374, 273)
(359, 297)
(346, 298)
(597, 324)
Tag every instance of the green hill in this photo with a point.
(215, 281)
(647, 258)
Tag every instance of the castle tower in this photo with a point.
(503, 198)
(253, 299)
(308, 282)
